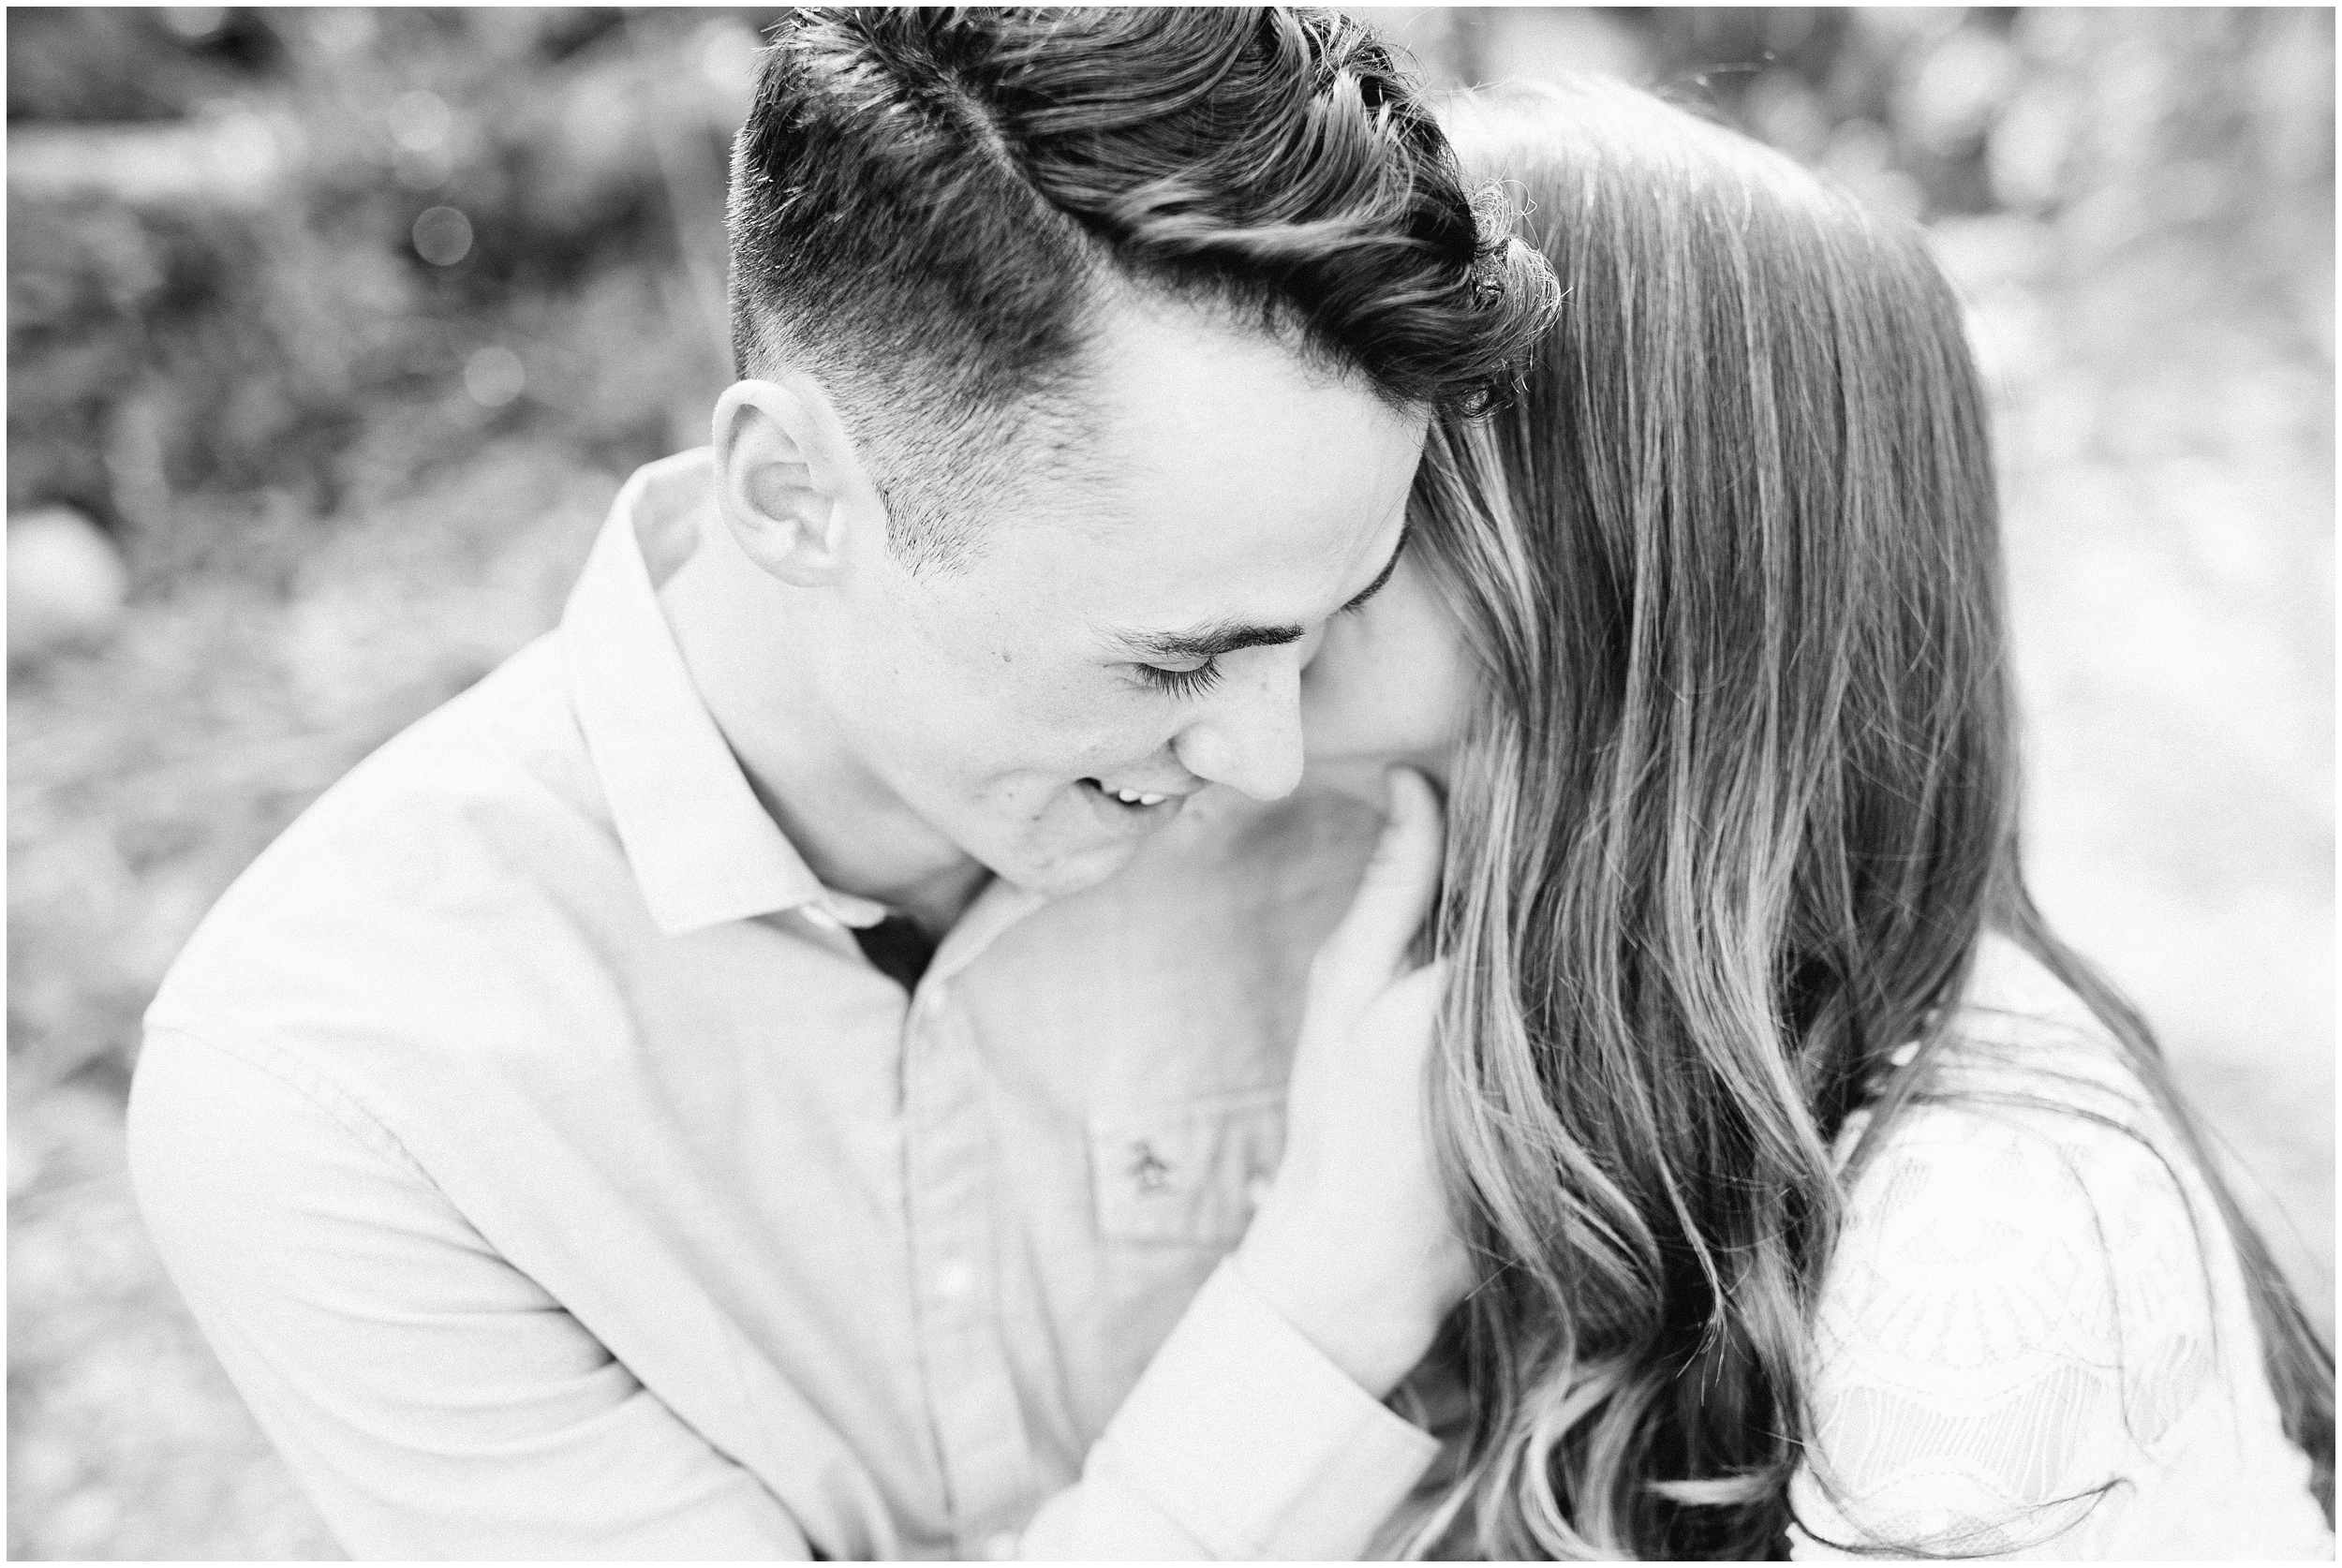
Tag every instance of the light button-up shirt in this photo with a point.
(556, 1178)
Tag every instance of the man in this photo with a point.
(706, 1092)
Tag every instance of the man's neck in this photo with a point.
(733, 627)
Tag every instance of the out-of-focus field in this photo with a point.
(341, 328)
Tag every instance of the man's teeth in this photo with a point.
(1134, 797)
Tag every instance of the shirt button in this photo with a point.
(954, 1279)
(1002, 1548)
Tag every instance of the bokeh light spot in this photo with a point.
(442, 236)
(730, 54)
(494, 376)
(195, 23)
(420, 121)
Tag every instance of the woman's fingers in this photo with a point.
(1371, 943)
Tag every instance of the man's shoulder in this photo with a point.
(433, 858)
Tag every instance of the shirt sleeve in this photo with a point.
(431, 1399)
(1241, 1439)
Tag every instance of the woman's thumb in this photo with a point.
(1395, 891)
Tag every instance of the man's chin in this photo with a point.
(1082, 839)
(1061, 876)
(1060, 863)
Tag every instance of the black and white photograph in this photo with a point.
(1171, 783)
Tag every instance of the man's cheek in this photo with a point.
(1068, 706)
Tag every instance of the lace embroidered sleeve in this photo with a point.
(2016, 1341)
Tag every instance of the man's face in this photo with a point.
(1124, 640)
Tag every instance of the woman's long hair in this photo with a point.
(1740, 805)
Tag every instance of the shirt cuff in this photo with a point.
(1253, 1441)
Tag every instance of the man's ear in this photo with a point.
(789, 481)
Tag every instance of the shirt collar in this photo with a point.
(702, 847)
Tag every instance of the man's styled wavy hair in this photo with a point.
(928, 206)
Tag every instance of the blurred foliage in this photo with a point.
(247, 323)
(2114, 126)
(119, 66)
(344, 325)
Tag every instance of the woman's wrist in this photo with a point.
(1375, 1329)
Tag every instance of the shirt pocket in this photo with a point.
(1187, 1174)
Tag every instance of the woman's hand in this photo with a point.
(1353, 1244)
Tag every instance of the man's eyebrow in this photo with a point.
(1214, 640)
(1207, 641)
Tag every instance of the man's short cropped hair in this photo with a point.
(928, 203)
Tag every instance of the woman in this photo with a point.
(1820, 1197)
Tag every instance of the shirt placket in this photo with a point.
(979, 1428)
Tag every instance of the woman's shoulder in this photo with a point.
(2028, 1093)
(2034, 1334)
(2022, 1038)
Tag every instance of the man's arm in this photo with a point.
(437, 1402)
(432, 1399)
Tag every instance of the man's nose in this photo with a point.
(1250, 737)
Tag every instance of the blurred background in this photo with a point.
(330, 334)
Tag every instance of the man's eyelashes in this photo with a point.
(1195, 682)
(1181, 683)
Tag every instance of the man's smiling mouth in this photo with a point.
(1127, 797)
